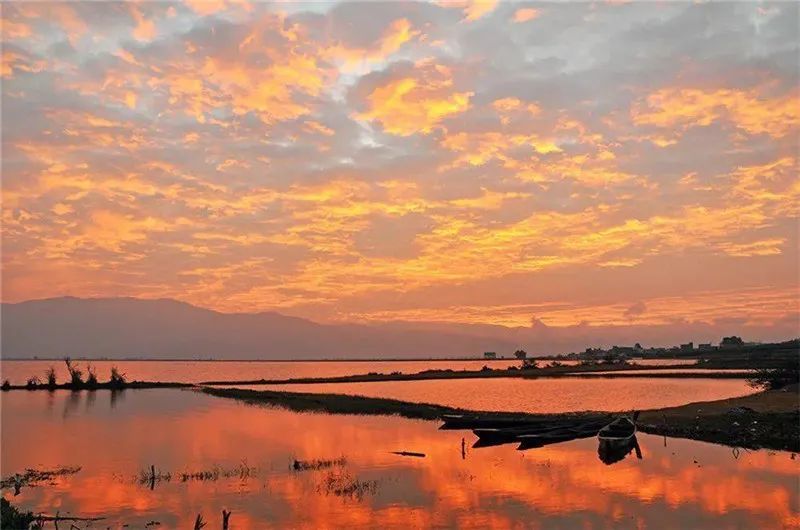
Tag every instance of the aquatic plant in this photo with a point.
(149, 476)
(75, 375)
(343, 484)
(32, 477)
(50, 375)
(203, 475)
(305, 465)
(91, 377)
(117, 379)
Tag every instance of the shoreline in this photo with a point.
(132, 385)
(769, 419)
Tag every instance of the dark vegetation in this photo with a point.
(91, 377)
(34, 477)
(151, 477)
(75, 375)
(51, 377)
(13, 519)
(779, 375)
(117, 381)
(343, 484)
(768, 419)
(334, 403)
(314, 465)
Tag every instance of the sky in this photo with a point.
(596, 164)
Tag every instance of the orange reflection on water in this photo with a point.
(540, 395)
(559, 486)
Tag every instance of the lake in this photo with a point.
(247, 454)
(18, 371)
(540, 395)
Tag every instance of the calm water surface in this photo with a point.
(682, 484)
(563, 394)
(198, 371)
(18, 372)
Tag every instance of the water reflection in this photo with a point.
(611, 453)
(686, 484)
(541, 395)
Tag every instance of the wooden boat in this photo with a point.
(511, 434)
(621, 431)
(457, 422)
(532, 441)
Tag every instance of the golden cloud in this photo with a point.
(416, 104)
(745, 109)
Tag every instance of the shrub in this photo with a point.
(50, 375)
(75, 375)
(786, 373)
(13, 518)
(33, 382)
(91, 377)
(6, 385)
(529, 364)
(117, 379)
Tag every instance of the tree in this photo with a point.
(785, 373)
(520, 354)
(529, 364)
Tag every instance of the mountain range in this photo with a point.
(170, 329)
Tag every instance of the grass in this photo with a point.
(334, 403)
(343, 484)
(306, 465)
(769, 419)
(149, 477)
(34, 477)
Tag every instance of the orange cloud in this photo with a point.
(473, 9)
(410, 105)
(145, 29)
(526, 14)
(396, 35)
(206, 7)
(746, 110)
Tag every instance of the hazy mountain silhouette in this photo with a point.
(130, 327)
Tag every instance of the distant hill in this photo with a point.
(158, 329)
(130, 327)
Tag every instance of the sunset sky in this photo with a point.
(602, 164)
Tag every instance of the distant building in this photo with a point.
(489, 355)
(689, 346)
(705, 346)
